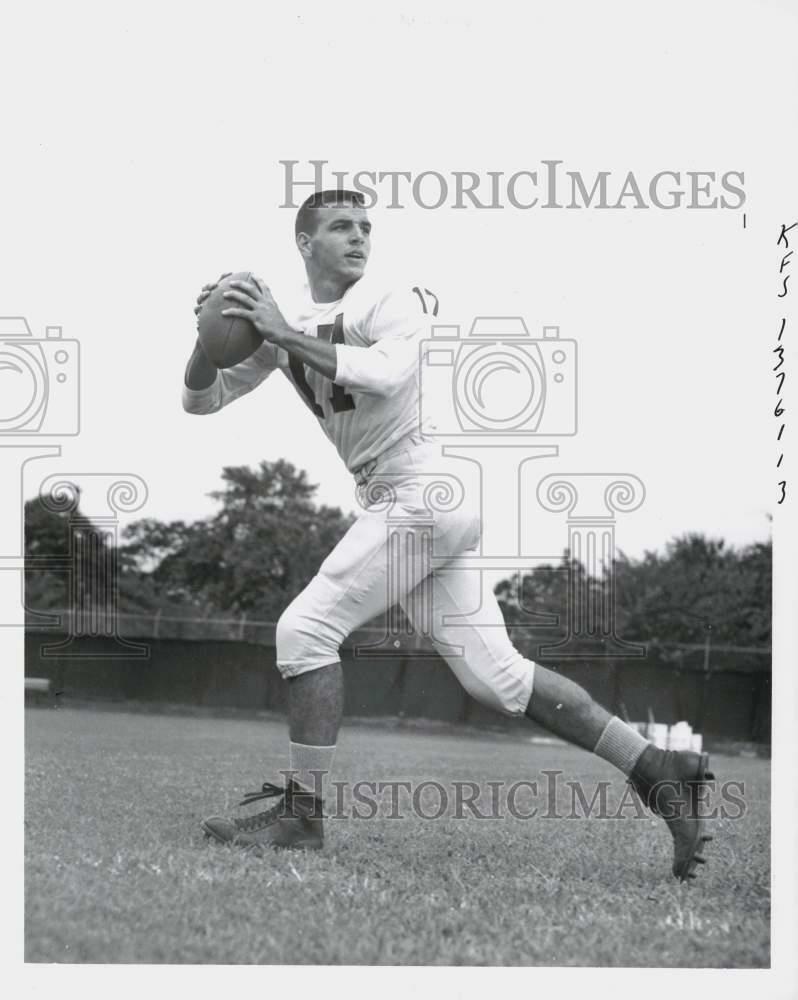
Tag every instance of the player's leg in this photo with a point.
(316, 706)
(670, 783)
(567, 710)
(308, 637)
(351, 588)
(470, 633)
(466, 616)
(467, 628)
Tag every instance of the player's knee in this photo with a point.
(303, 643)
(508, 702)
(507, 691)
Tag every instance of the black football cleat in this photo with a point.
(295, 822)
(671, 784)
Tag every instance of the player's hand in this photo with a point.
(207, 289)
(254, 301)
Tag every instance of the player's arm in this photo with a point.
(396, 326)
(254, 301)
(379, 369)
(207, 389)
(315, 353)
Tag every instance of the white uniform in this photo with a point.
(374, 400)
(371, 414)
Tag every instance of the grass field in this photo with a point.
(117, 869)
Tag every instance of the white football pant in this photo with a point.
(385, 559)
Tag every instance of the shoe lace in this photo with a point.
(265, 818)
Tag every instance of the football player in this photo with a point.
(351, 350)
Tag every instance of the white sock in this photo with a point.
(312, 766)
(620, 745)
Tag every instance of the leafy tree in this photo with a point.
(697, 587)
(253, 556)
(47, 554)
(50, 536)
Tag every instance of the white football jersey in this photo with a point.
(374, 400)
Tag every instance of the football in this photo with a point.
(226, 340)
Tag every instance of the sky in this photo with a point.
(142, 157)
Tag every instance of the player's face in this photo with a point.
(341, 245)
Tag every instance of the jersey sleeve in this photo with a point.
(394, 330)
(231, 383)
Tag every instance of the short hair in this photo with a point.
(307, 218)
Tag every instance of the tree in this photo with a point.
(48, 553)
(253, 556)
(698, 587)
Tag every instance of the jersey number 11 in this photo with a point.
(333, 333)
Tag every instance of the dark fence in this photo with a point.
(723, 692)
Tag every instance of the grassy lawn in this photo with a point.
(117, 869)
